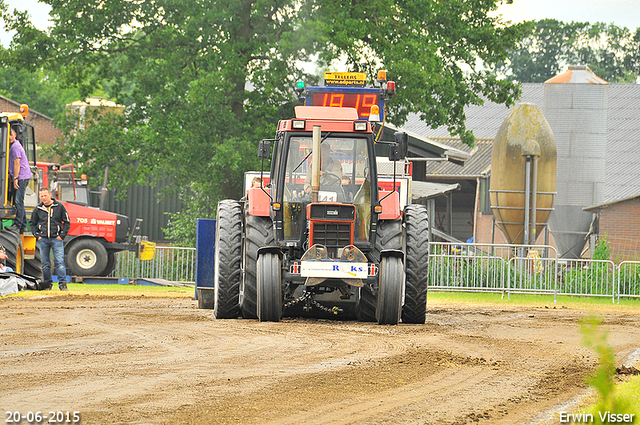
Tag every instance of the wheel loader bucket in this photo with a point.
(146, 250)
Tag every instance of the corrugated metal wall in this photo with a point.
(145, 202)
(576, 104)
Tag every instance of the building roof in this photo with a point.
(484, 120)
(622, 174)
(31, 111)
(622, 164)
(576, 74)
(606, 204)
(478, 164)
(95, 101)
(425, 147)
(425, 190)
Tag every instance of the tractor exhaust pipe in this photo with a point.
(315, 163)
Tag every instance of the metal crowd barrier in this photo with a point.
(498, 268)
(170, 263)
(628, 279)
(534, 269)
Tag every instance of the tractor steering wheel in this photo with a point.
(330, 179)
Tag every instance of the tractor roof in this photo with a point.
(326, 113)
(329, 118)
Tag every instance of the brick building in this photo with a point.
(46, 131)
(619, 221)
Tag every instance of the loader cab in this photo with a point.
(64, 184)
(347, 191)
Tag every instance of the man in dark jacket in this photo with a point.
(50, 224)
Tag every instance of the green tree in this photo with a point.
(40, 91)
(550, 45)
(204, 80)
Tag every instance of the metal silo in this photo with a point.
(575, 105)
(520, 197)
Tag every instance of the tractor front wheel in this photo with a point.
(391, 281)
(270, 301)
(389, 236)
(86, 257)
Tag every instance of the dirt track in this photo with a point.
(145, 360)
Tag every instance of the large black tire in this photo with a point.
(33, 267)
(269, 286)
(365, 304)
(85, 257)
(416, 222)
(228, 260)
(111, 264)
(15, 254)
(389, 236)
(258, 234)
(391, 282)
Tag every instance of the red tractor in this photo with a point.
(95, 235)
(323, 238)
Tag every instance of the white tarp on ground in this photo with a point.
(8, 286)
(11, 283)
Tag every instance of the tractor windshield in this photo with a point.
(344, 177)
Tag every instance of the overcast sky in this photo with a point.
(623, 13)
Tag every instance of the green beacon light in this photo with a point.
(299, 89)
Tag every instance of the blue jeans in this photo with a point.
(18, 202)
(46, 244)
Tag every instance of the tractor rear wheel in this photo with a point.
(269, 286)
(365, 304)
(391, 281)
(258, 234)
(33, 267)
(416, 222)
(228, 260)
(389, 236)
(13, 245)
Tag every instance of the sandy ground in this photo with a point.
(160, 360)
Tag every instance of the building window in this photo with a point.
(485, 202)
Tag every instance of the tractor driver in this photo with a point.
(330, 169)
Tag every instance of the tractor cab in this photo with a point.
(337, 209)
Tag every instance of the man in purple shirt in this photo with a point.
(20, 174)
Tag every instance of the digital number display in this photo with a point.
(361, 101)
